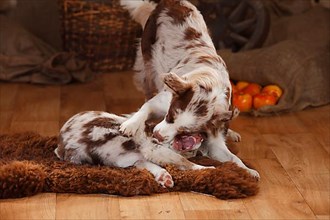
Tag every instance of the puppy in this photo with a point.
(93, 137)
(185, 81)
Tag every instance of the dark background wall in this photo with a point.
(41, 17)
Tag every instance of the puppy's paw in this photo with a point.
(254, 173)
(234, 136)
(130, 127)
(165, 179)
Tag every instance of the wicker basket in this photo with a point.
(99, 31)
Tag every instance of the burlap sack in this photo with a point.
(296, 58)
(25, 58)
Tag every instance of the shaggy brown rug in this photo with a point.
(29, 166)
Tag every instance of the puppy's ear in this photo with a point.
(227, 115)
(176, 83)
(235, 112)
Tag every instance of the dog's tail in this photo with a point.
(140, 10)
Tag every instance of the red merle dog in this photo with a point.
(184, 79)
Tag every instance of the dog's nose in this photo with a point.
(158, 136)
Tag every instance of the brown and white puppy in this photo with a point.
(184, 79)
(93, 137)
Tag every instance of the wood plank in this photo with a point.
(307, 163)
(45, 128)
(76, 98)
(278, 197)
(36, 109)
(125, 100)
(200, 206)
(165, 206)
(196, 201)
(216, 214)
(126, 106)
(323, 217)
(281, 124)
(73, 206)
(134, 208)
(318, 120)
(299, 153)
(113, 207)
(120, 86)
(41, 206)
(8, 92)
(315, 190)
(37, 103)
(252, 143)
(5, 121)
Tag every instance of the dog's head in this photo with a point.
(196, 100)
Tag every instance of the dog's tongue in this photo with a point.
(186, 142)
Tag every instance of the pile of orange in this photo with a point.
(247, 96)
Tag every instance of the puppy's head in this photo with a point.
(195, 100)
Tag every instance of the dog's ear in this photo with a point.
(235, 112)
(227, 115)
(176, 83)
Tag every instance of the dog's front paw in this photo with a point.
(254, 173)
(234, 136)
(165, 179)
(130, 127)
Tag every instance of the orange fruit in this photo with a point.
(263, 99)
(273, 90)
(242, 101)
(241, 85)
(252, 89)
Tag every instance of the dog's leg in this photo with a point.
(162, 155)
(161, 175)
(219, 151)
(234, 136)
(157, 106)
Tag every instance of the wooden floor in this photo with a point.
(290, 151)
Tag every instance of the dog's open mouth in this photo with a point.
(187, 142)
